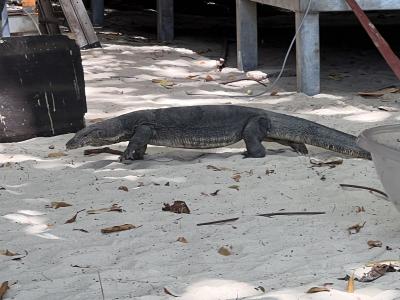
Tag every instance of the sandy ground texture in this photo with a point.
(253, 257)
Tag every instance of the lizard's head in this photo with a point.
(94, 135)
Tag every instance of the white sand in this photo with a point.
(285, 254)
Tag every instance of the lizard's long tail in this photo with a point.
(303, 131)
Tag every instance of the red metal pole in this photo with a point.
(380, 43)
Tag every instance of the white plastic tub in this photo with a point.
(384, 144)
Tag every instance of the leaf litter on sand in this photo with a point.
(225, 250)
(113, 208)
(178, 207)
(182, 240)
(58, 204)
(3, 289)
(164, 83)
(7, 253)
(118, 228)
(73, 219)
(355, 228)
(317, 290)
(374, 244)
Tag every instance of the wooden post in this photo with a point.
(79, 22)
(165, 20)
(308, 54)
(246, 30)
(48, 23)
(4, 26)
(97, 7)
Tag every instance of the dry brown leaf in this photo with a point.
(81, 230)
(7, 165)
(215, 193)
(260, 288)
(164, 83)
(123, 188)
(235, 187)
(178, 207)
(58, 204)
(7, 253)
(56, 154)
(274, 93)
(317, 290)
(355, 228)
(182, 240)
(236, 177)
(388, 108)
(373, 244)
(380, 93)
(113, 208)
(209, 78)
(118, 228)
(169, 293)
(336, 77)
(73, 219)
(360, 209)
(225, 250)
(3, 289)
(268, 172)
(350, 284)
(330, 161)
(214, 168)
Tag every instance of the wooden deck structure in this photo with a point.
(307, 43)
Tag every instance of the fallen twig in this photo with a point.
(364, 188)
(218, 222)
(102, 150)
(297, 213)
(243, 79)
(101, 286)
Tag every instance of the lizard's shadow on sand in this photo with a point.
(174, 157)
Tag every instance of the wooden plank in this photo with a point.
(340, 5)
(308, 54)
(287, 4)
(165, 20)
(29, 3)
(79, 22)
(332, 5)
(246, 30)
(48, 23)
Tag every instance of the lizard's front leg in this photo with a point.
(138, 143)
